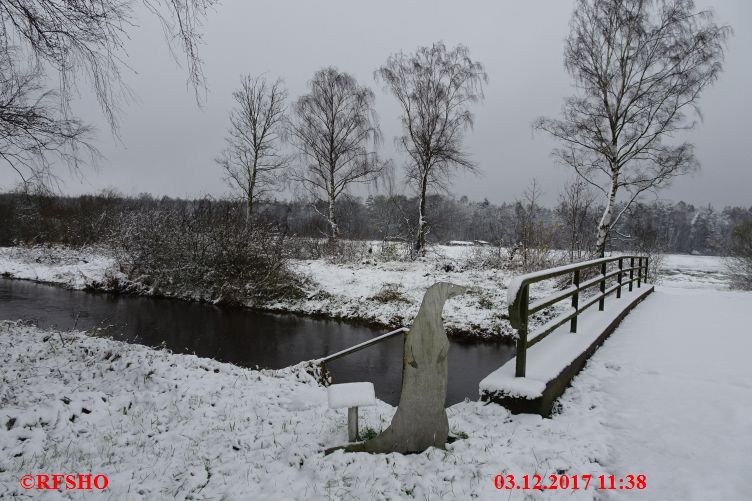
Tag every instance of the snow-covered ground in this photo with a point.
(389, 292)
(165, 426)
(668, 396)
(694, 272)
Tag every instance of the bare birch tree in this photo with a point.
(434, 87)
(73, 40)
(252, 160)
(335, 127)
(640, 67)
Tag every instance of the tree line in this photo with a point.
(524, 224)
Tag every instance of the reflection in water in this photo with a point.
(243, 337)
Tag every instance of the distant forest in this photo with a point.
(656, 226)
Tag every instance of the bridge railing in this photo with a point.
(360, 346)
(628, 271)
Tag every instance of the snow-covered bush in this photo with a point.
(740, 262)
(486, 257)
(205, 253)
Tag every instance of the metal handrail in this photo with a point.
(520, 307)
(362, 345)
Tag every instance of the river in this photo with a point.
(241, 336)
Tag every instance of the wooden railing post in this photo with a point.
(621, 267)
(646, 270)
(575, 301)
(522, 333)
(602, 300)
(631, 273)
(639, 271)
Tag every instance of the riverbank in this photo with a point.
(374, 289)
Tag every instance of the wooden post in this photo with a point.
(621, 267)
(639, 271)
(522, 334)
(575, 301)
(646, 270)
(631, 272)
(352, 424)
(602, 300)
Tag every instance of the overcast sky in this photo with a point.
(168, 144)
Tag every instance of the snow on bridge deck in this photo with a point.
(673, 385)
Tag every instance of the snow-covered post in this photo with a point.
(575, 300)
(631, 273)
(639, 272)
(621, 267)
(522, 333)
(352, 424)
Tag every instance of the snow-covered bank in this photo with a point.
(381, 292)
(374, 290)
(165, 426)
(72, 268)
(389, 293)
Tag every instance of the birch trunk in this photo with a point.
(420, 242)
(604, 227)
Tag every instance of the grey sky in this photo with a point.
(168, 144)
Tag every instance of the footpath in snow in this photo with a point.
(672, 388)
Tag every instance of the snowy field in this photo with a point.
(667, 396)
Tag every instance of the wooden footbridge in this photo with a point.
(551, 353)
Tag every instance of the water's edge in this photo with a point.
(243, 336)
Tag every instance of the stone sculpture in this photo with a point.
(421, 420)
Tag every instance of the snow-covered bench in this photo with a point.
(352, 396)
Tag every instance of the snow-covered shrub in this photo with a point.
(346, 251)
(306, 248)
(338, 251)
(204, 252)
(485, 257)
(740, 262)
(390, 293)
(395, 251)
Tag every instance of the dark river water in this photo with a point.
(243, 337)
